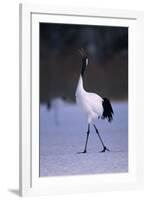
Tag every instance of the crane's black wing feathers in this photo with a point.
(107, 110)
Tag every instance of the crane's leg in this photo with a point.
(104, 147)
(88, 132)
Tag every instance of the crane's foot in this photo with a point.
(104, 149)
(82, 152)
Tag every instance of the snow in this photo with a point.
(60, 142)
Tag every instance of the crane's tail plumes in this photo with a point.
(107, 110)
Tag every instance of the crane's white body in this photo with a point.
(90, 103)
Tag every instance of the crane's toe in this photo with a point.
(104, 149)
(82, 152)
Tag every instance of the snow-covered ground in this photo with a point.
(63, 134)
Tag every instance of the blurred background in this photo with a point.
(60, 62)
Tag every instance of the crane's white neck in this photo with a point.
(80, 87)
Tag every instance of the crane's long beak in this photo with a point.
(82, 52)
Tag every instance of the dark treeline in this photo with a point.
(60, 62)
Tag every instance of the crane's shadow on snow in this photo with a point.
(111, 151)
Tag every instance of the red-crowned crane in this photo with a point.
(92, 104)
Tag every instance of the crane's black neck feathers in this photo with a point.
(83, 65)
(107, 110)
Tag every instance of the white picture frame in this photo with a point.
(30, 182)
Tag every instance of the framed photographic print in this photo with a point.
(81, 100)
